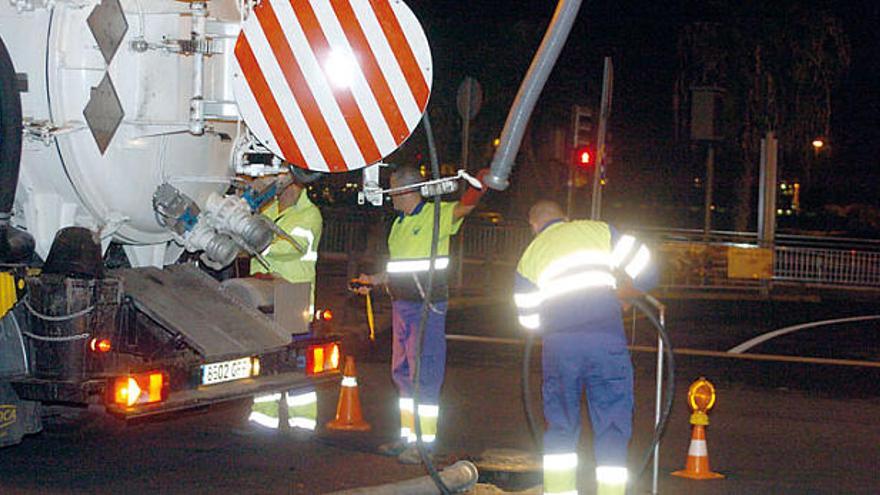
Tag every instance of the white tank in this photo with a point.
(66, 178)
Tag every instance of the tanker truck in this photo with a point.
(126, 124)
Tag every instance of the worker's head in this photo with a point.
(408, 200)
(544, 212)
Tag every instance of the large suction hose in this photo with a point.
(667, 405)
(531, 87)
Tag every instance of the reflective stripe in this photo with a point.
(570, 262)
(405, 433)
(612, 475)
(302, 399)
(415, 266)
(311, 254)
(560, 474)
(560, 462)
(622, 249)
(425, 438)
(639, 262)
(406, 404)
(527, 300)
(264, 420)
(429, 411)
(267, 398)
(349, 381)
(532, 321)
(577, 281)
(304, 423)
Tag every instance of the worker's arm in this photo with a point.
(470, 198)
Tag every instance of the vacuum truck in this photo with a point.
(125, 126)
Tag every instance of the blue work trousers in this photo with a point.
(405, 325)
(599, 362)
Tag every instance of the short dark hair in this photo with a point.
(406, 175)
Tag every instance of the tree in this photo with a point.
(779, 63)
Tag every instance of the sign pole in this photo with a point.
(604, 113)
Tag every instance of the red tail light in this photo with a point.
(140, 388)
(100, 345)
(322, 358)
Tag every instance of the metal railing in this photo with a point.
(688, 258)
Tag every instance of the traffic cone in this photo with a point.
(697, 465)
(348, 410)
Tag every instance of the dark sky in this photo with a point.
(479, 38)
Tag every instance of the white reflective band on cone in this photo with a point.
(304, 423)
(406, 404)
(639, 262)
(532, 321)
(302, 399)
(622, 249)
(267, 398)
(612, 475)
(412, 266)
(425, 438)
(264, 420)
(574, 260)
(560, 462)
(349, 381)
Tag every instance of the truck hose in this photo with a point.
(667, 405)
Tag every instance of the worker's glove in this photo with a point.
(472, 195)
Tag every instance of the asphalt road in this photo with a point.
(780, 428)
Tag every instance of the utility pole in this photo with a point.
(604, 113)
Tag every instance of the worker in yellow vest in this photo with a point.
(569, 288)
(409, 247)
(295, 214)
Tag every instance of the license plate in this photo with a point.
(226, 371)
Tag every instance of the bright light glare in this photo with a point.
(818, 143)
(340, 69)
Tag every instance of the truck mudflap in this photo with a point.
(17, 417)
(212, 394)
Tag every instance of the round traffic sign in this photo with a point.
(332, 85)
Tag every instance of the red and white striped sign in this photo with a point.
(332, 85)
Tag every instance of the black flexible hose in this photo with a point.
(426, 308)
(667, 406)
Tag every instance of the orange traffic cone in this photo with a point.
(348, 410)
(697, 466)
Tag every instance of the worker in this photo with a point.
(296, 215)
(405, 276)
(569, 288)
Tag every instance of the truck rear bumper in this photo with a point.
(212, 394)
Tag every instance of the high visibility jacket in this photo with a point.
(409, 247)
(303, 222)
(568, 275)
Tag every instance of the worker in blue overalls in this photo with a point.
(569, 286)
(405, 275)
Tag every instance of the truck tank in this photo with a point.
(107, 92)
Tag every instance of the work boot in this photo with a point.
(393, 449)
(411, 455)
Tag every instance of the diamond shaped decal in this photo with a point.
(103, 113)
(108, 25)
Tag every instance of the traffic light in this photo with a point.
(583, 157)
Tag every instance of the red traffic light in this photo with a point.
(583, 157)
